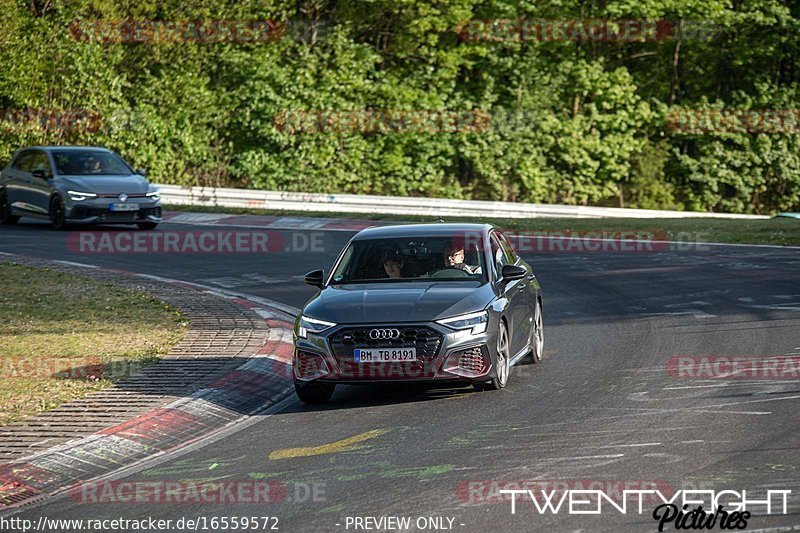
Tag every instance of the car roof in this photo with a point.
(414, 230)
(68, 148)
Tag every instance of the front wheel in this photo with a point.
(58, 217)
(6, 217)
(537, 335)
(313, 391)
(503, 359)
(147, 225)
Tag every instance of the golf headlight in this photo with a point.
(78, 196)
(477, 321)
(154, 194)
(308, 325)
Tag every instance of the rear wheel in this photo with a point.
(58, 217)
(147, 225)
(313, 391)
(502, 366)
(5, 211)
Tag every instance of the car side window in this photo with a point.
(39, 162)
(22, 162)
(498, 255)
(508, 248)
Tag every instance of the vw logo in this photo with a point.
(122, 197)
(384, 334)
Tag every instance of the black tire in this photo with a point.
(537, 335)
(58, 217)
(147, 225)
(6, 217)
(313, 391)
(502, 367)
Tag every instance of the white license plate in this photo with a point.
(384, 355)
(123, 207)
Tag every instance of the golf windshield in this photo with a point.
(90, 162)
(411, 259)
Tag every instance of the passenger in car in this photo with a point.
(393, 263)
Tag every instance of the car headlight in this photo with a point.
(154, 194)
(477, 321)
(308, 325)
(79, 196)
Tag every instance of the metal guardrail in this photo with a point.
(367, 204)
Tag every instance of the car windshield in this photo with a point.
(90, 162)
(443, 258)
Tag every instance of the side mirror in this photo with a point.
(39, 173)
(314, 278)
(142, 172)
(512, 272)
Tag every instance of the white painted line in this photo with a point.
(197, 218)
(696, 313)
(156, 278)
(755, 401)
(614, 456)
(71, 263)
(265, 227)
(776, 307)
(638, 445)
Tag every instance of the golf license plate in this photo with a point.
(384, 355)
(123, 207)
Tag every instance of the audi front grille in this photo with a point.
(426, 341)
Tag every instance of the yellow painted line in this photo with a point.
(343, 445)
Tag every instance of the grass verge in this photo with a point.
(776, 231)
(63, 336)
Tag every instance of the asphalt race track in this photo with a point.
(603, 407)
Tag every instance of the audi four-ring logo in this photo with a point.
(384, 334)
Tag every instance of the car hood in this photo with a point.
(100, 184)
(398, 302)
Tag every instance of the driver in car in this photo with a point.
(454, 258)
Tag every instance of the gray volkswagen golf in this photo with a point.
(76, 184)
(422, 302)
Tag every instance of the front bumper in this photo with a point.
(97, 211)
(442, 355)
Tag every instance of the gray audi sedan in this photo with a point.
(422, 302)
(78, 184)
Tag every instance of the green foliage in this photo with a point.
(571, 122)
